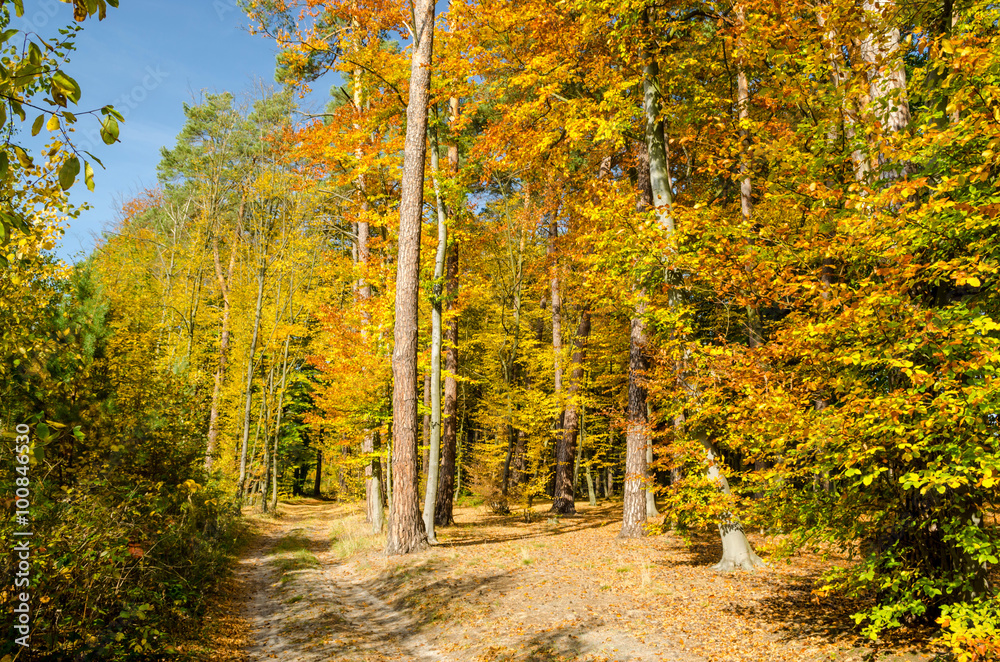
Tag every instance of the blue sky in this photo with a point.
(148, 58)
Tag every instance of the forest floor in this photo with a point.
(315, 585)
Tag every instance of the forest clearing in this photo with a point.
(315, 585)
(597, 329)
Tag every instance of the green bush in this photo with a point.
(117, 572)
(972, 630)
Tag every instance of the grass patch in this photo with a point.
(352, 535)
(470, 501)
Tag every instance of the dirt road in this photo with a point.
(317, 586)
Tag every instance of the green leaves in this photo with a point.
(64, 89)
(109, 130)
(88, 176)
(68, 172)
(22, 156)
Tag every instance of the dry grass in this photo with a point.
(351, 535)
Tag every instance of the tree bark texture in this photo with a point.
(437, 305)
(737, 554)
(446, 487)
(563, 501)
(637, 437)
(406, 528)
(319, 472)
(425, 437)
(248, 401)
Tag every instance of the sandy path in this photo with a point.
(322, 612)
(369, 607)
(317, 586)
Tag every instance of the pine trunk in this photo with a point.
(637, 432)
(406, 528)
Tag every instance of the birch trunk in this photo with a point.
(446, 488)
(433, 470)
(443, 515)
(425, 438)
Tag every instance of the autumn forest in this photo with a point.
(636, 285)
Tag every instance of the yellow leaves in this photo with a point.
(963, 278)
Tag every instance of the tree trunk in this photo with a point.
(433, 470)
(267, 446)
(220, 370)
(241, 481)
(373, 480)
(635, 507)
(319, 472)
(277, 426)
(839, 76)
(736, 550)
(557, 374)
(591, 494)
(374, 514)
(886, 77)
(755, 329)
(637, 438)
(563, 501)
(425, 438)
(446, 487)
(579, 452)
(406, 529)
(443, 509)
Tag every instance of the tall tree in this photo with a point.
(433, 468)
(446, 487)
(406, 530)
